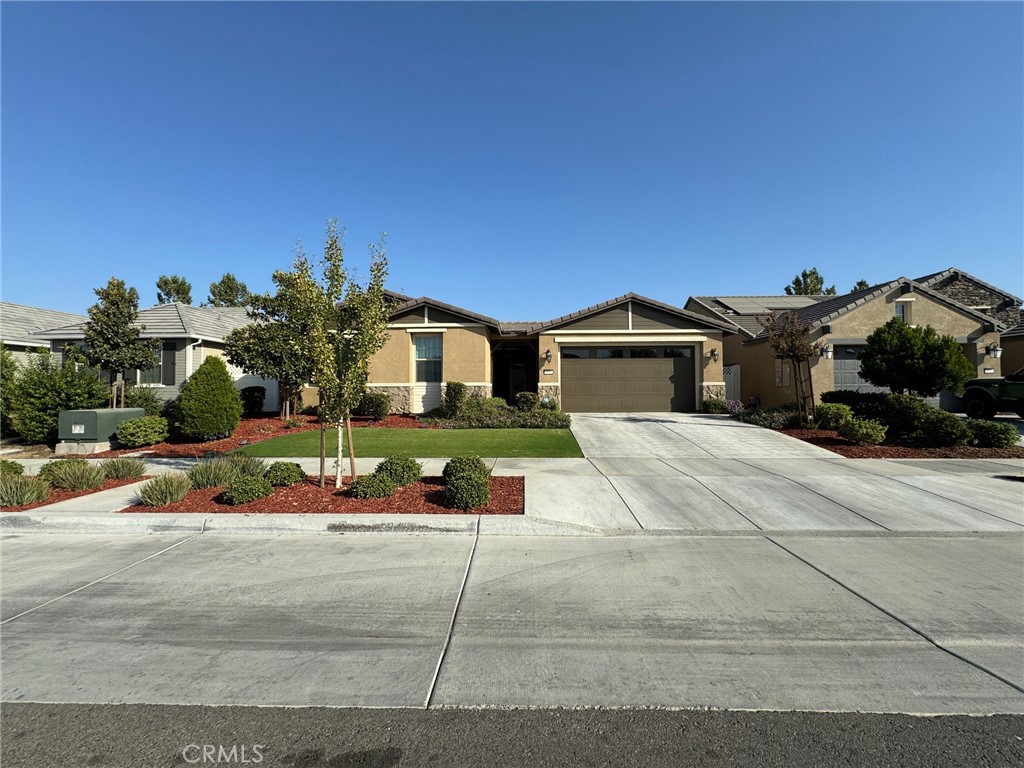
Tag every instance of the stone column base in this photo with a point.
(712, 392)
(550, 391)
(401, 397)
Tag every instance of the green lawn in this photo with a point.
(428, 443)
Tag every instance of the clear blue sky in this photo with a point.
(526, 160)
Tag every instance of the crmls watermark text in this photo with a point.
(207, 754)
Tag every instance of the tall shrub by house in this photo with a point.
(209, 406)
(42, 389)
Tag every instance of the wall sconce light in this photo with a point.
(547, 355)
(994, 350)
(826, 352)
(713, 354)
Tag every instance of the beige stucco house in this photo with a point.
(841, 325)
(630, 353)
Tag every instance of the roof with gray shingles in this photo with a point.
(172, 321)
(745, 311)
(19, 323)
(936, 277)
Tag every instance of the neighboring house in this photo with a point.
(19, 325)
(841, 324)
(631, 353)
(1012, 343)
(188, 334)
(969, 291)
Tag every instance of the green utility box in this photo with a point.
(96, 425)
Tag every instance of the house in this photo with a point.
(1012, 344)
(969, 291)
(630, 353)
(19, 325)
(841, 324)
(188, 334)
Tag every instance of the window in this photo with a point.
(428, 357)
(645, 352)
(161, 374)
(903, 311)
(783, 373)
(679, 352)
(609, 354)
(569, 353)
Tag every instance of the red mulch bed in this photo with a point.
(424, 498)
(829, 440)
(250, 430)
(62, 494)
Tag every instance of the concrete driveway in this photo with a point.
(683, 436)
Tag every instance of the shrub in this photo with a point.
(284, 473)
(8, 376)
(247, 466)
(832, 415)
(214, 473)
(374, 405)
(43, 389)
(865, 405)
(454, 398)
(485, 417)
(123, 468)
(904, 414)
(209, 406)
(941, 429)
(252, 400)
(863, 431)
(247, 488)
(734, 406)
(145, 398)
(373, 486)
(147, 430)
(467, 491)
(465, 465)
(992, 434)
(769, 418)
(527, 401)
(293, 423)
(8, 467)
(400, 469)
(548, 403)
(914, 359)
(714, 405)
(18, 490)
(164, 489)
(73, 474)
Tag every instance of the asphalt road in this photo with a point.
(143, 736)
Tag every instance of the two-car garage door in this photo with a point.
(617, 379)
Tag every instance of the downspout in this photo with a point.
(188, 357)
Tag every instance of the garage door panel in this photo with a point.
(630, 384)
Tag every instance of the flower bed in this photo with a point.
(62, 494)
(425, 497)
(830, 440)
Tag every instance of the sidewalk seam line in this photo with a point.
(618, 493)
(730, 506)
(97, 581)
(920, 633)
(451, 624)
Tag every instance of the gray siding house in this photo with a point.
(20, 323)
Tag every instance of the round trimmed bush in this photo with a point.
(402, 470)
(147, 430)
(467, 491)
(941, 429)
(373, 486)
(865, 431)
(374, 405)
(73, 474)
(242, 490)
(284, 473)
(904, 414)
(123, 468)
(992, 434)
(164, 489)
(18, 490)
(527, 401)
(209, 407)
(464, 465)
(832, 415)
(252, 400)
(9, 467)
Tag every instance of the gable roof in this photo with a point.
(171, 321)
(410, 304)
(19, 323)
(937, 277)
(833, 307)
(722, 325)
(744, 311)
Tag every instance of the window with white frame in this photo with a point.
(428, 357)
(783, 373)
(903, 311)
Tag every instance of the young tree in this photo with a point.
(809, 283)
(791, 340)
(114, 342)
(914, 359)
(860, 285)
(229, 291)
(171, 288)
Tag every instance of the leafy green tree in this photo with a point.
(171, 288)
(791, 340)
(809, 283)
(914, 359)
(43, 389)
(229, 291)
(860, 285)
(8, 375)
(113, 337)
(209, 406)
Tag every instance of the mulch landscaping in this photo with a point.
(829, 440)
(62, 494)
(425, 497)
(249, 431)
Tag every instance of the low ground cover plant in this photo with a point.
(865, 431)
(164, 489)
(714, 405)
(18, 490)
(73, 474)
(9, 467)
(460, 411)
(779, 417)
(466, 483)
(123, 468)
(991, 434)
(147, 430)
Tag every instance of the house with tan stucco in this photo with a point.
(630, 353)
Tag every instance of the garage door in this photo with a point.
(847, 370)
(616, 379)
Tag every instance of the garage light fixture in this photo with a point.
(547, 355)
(994, 350)
(713, 354)
(826, 352)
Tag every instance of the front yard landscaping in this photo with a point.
(428, 443)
